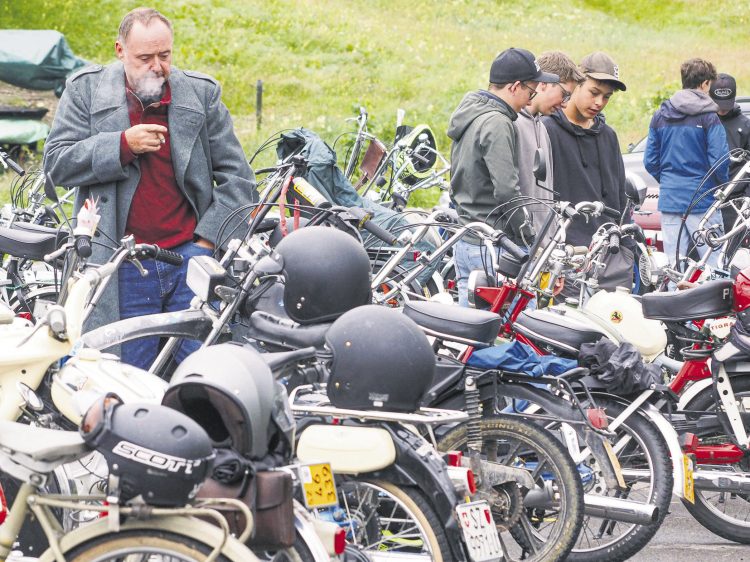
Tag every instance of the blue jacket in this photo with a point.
(685, 139)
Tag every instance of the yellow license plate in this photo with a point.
(688, 486)
(318, 484)
(615, 463)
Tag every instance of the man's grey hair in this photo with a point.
(142, 15)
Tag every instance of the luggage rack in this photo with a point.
(320, 405)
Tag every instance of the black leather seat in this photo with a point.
(710, 300)
(555, 329)
(61, 233)
(455, 323)
(27, 244)
(269, 328)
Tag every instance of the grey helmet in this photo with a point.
(231, 392)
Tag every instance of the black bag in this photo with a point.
(620, 368)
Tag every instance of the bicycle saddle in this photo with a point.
(269, 328)
(709, 300)
(478, 328)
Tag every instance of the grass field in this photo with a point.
(319, 60)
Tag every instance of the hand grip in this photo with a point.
(379, 232)
(83, 246)
(509, 246)
(15, 167)
(614, 242)
(611, 213)
(167, 256)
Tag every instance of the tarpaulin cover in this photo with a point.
(520, 358)
(619, 367)
(38, 59)
(22, 131)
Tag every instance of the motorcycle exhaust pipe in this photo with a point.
(606, 507)
(722, 481)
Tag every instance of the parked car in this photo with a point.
(648, 217)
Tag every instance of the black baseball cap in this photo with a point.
(723, 91)
(518, 65)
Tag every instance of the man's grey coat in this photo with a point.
(83, 149)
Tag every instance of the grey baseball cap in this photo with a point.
(600, 66)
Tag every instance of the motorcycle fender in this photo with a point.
(655, 416)
(349, 449)
(187, 526)
(692, 391)
(317, 535)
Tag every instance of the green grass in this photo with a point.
(320, 59)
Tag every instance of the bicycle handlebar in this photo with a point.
(509, 246)
(155, 252)
(9, 162)
(614, 241)
(365, 222)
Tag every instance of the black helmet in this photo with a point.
(326, 273)
(231, 392)
(152, 451)
(381, 359)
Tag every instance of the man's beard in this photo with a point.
(149, 87)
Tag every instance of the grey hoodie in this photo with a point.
(532, 135)
(484, 164)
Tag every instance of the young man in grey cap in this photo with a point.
(685, 142)
(737, 126)
(588, 163)
(484, 157)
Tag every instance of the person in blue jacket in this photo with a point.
(686, 153)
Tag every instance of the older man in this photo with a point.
(156, 145)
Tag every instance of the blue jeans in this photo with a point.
(163, 290)
(469, 257)
(670, 227)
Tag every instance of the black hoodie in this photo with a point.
(737, 127)
(587, 167)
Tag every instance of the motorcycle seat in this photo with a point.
(36, 448)
(266, 327)
(26, 244)
(709, 300)
(556, 329)
(61, 233)
(478, 328)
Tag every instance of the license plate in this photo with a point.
(688, 486)
(615, 463)
(480, 532)
(318, 484)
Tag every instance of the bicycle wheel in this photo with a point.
(723, 513)
(532, 534)
(392, 521)
(143, 545)
(647, 469)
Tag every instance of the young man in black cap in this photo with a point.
(484, 157)
(588, 163)
(737, 126)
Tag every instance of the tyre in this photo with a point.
(647, 468)
(393, 521)
(532, 534)
(142, 545)
(724, 514)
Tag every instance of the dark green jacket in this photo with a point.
(484, 163)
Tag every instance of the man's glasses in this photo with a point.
(566, 94)
(533, 93)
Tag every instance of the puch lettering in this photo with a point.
(154, 458)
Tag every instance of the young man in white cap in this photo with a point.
(588, 163)
(484, 157)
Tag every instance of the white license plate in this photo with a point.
(480, 532)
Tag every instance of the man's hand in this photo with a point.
(203, 243)
(145, 138)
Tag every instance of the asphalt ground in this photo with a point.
(682, 539)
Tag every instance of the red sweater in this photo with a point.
(159, 213)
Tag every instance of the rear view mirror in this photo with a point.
(540, 165)
(635, 188)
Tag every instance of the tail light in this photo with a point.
(454, 458)
(339, 541)
(463, 479)
(689, 442)
(597, 417)
(3, 506)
